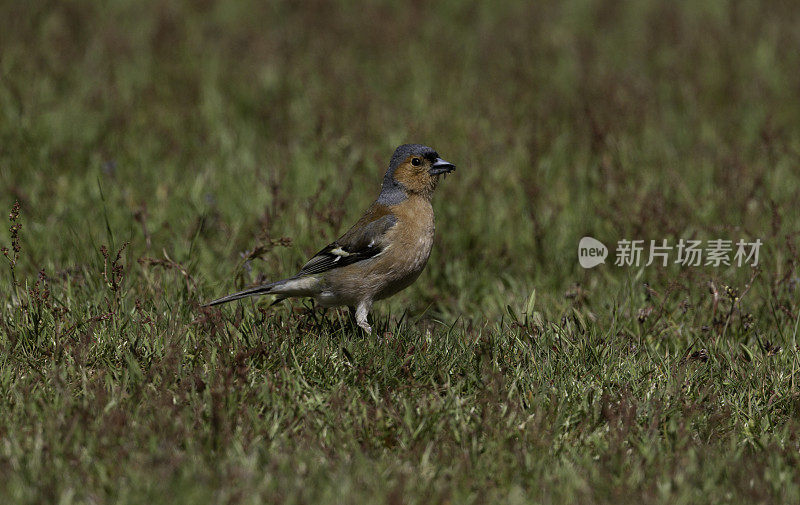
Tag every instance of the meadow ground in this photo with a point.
(164, 153)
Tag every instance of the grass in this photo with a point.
(164, 153)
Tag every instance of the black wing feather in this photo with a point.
(360, 243)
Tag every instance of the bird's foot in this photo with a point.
(361, 316)
(365, 326)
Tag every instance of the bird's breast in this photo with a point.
(412, 236)
(409, 245)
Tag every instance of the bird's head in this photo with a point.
(413, 169)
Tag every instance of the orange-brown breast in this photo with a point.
(411, 242)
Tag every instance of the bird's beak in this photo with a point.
(441, 166)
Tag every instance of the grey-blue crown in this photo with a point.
(406, 150)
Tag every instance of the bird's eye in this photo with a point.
(416, 162)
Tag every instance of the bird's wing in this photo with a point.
(361, 242)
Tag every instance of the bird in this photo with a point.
(383, 253)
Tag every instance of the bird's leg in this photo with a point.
(361, 316)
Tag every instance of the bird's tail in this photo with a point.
(295, 286)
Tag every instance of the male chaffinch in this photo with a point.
(383, 253)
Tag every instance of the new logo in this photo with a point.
(591, 252)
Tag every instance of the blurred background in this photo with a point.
(205, 133)
(164, 153)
